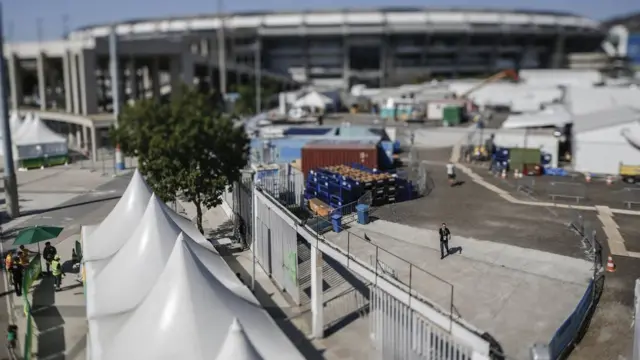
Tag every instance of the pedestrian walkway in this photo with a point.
(59, 316)
(520, 296)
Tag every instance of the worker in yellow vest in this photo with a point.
(56, 271)
(8, 263)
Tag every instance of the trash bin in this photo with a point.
(363, 214)
(336, 222)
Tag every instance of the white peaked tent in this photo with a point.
(237, 345)
(35, 140)
(15, 122)
(188, 227)
(187, 315)
(25, 127)
(127, 278)
(121, 222)
(314, 100)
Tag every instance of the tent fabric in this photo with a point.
(121, 222)
(144, 255)
(189, 306)
(315, 100)
(38, 134)
(187, 227)
(15, 122)
(553, 115)
(25, 127)
(237, 345)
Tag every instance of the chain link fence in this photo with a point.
(105, 162)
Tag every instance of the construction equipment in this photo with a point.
(630, 173)
(501, 75)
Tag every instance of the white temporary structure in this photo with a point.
(555, 115)
(121, 222)
(24, 127)
(144, 255)
(314, 100)
(187, 315)
(36, 140)
(15, 122)
(237, 345)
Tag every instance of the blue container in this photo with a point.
(545, 159)
(336, 222)
(363, 214)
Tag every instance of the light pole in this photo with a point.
(115, 88)
(222, 55)
(257, 63)
(10, 184)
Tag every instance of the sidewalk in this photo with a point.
(520, 296)
(60, 325)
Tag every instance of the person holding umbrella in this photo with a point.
(35, 235)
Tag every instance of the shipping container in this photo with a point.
(452, 116)
(321, 153)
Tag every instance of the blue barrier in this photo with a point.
(568, 333)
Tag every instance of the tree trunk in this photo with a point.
(198, 205)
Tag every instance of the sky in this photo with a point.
(21, 17)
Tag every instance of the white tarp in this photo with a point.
(237, 345)
(314, 100)
(553, 115)
(187, 314)
(121, 222)
(581, 101)
(35, 140)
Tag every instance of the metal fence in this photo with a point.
(567, 190)
(575, 326)
(399, 333)
(631, 197)
(105, 162)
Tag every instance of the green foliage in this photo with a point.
(246, 103)
(185, 148)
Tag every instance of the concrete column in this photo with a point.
(66, 75)
(317, 292)
(557, 58)
(132, 79)
(78, 129)
(155, 78)
(181, 69)
(146, 80)
(385, 60)
(346, 67)
(88, 83)
(75, 82)
(15, 81)
(85, 138)
(94, 145)
(41, 64)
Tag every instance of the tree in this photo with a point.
(185, 148)
(246, 102)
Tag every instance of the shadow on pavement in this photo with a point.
(298, 338)
(48, 321)
(41, 211)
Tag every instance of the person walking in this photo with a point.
(56, 270)
(16, 272)
(445, 235)
(48, 254)
(451, 174)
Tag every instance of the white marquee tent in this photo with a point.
(314, 100)
(15, 122)
(34, 139)
(237, 345)
(190, 306)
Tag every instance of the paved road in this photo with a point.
(88, 208)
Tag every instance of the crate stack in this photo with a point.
(341, 184)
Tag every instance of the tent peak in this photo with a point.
(237, 345)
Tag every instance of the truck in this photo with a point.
(630, 173)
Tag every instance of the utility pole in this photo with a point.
(10, 183)
(115, 88)
(257, 63)
(222, 51)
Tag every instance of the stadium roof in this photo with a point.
(359, 17)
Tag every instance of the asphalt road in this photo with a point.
(88, 208)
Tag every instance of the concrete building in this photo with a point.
(334, 48)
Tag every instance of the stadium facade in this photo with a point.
(338, 48)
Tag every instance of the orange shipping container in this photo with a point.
(322, 153)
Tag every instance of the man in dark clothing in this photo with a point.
(16, 272)
(48, 254)
(445, 234)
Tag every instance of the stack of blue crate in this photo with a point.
(331, 188)
(500, 159)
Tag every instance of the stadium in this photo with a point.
(384, 47)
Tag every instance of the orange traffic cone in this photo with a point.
(611, 267)
(587, 177)
(609, 180)
(504, 174)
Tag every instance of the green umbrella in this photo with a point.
(37, 234)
